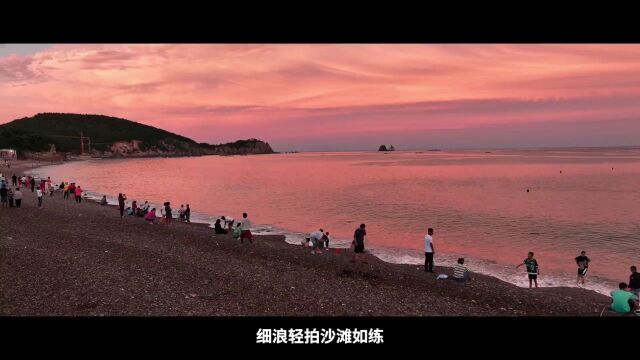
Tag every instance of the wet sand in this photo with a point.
(83, 259)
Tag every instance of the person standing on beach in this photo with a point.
(10, 196)
(66, 190)
(72, 190)
(634, 281)
(14, 180)
(33, 184)
(78, 192)
(167, 213)
(358, 242)
(246, 229)
(326, 239)
(583, 266)
(181, 212)
(39, 194)
(4, 192)
(121, 199)
(17, 197)
(532, 269)
(187, 214)
(429, 251)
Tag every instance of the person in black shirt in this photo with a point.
(634, 281)
(583, 266)
(218, 228)
(358, 242)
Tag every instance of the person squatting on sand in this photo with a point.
(151, 216)
(623, 300)
(103, 201)
(217, 228)
(429, 251)
(460, 272)
(532, 268)
(245, 225)
(358, 243)
(237, 232)
(583, 265)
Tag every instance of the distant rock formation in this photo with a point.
(382, 148)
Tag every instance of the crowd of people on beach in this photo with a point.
(625, 299)
(11, 193)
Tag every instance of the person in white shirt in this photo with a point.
(39, 194)
(429, 251)
(246, 229)
(316, 237)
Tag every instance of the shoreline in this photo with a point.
(402, 256)
(286, 271)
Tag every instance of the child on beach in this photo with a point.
(532, 269)
(103, 201)
(237, 232)
(326, 239)
(583, 266)
(246, 229)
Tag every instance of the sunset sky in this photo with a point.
(341, 97)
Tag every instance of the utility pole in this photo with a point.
(81, 144)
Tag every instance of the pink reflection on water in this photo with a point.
(476, 202)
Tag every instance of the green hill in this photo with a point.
(63, 130)
(37, 133)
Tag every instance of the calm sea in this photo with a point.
(580, 199)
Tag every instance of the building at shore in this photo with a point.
(8, 154)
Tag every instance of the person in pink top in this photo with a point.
(78, 193)
(151, 216)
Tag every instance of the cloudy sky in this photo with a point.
(340, 97)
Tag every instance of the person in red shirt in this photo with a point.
(78, 192)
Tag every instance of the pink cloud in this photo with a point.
(220, 92)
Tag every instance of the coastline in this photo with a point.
(73, 262)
